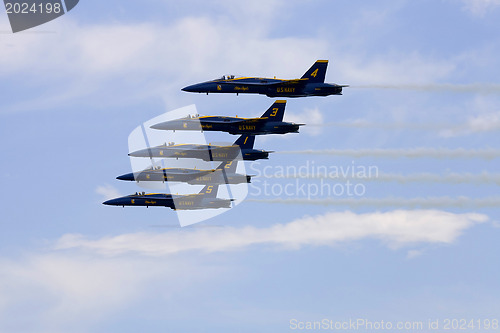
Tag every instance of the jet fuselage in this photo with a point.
(203, 152)
(277, 88)
(231, 125)
(190, 176)
(177, 202)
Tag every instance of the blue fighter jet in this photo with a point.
(224, 174)
(207, 198)
(271, 122)
(312, 83)
(242, 148)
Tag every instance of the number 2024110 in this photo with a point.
(25, 8)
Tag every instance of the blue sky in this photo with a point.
(420, 243)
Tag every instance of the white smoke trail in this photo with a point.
(486, 153)
(478, 88)
(408, 203)
(389, 126)
(450, 178)
(483, 123)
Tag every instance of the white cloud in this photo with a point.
(108, 192)
(141, 60)
(136, 61)
(397, 228)
(394, 69)
(414, 253)
(70, 292)
(65, 287)
(313, 119)
(480, 7)
(78, 286)
(488, 122)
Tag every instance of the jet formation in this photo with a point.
(271, 122)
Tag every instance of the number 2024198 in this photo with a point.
(25, 8)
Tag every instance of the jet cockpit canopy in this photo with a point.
(227, 77)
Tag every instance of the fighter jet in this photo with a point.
(271, 122)
(242, 148)
(207, 198)
(312, 83)
(224, 174)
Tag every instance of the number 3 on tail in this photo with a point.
(275, 111)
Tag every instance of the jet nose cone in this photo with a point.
(172, 125)
(167, 125)
(141, 153)
(122, 201)
(191, 88)
(127, 176)
(199, 87)
(157, 126)
(112, 202)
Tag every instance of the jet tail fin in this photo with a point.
(317, 72)
(276, 111)
(245, 141)
(228, 166)
(210, 191)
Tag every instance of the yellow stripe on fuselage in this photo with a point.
(222, 117)
(239, 118)
(257, 78)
